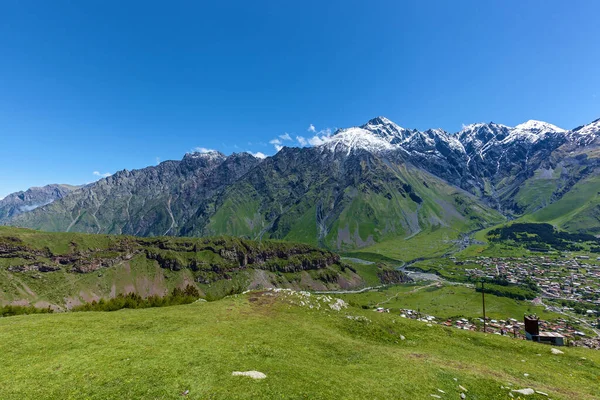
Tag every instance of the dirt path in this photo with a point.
(409, 292)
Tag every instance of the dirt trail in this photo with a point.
(409, 292)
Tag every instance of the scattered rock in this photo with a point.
(441, 391)
(525, 375)
(463, 396)
(435, 395)
(338, 305)
(402, 337)
(185, 393)
(525, 392)
(429, 325)
(556, 351)
(251, 374)
(542, 393)
(462, 388)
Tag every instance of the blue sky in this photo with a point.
(99, 86)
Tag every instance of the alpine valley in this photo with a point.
(351, 269)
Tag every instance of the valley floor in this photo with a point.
(308, 346)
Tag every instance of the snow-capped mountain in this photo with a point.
(585, 134)
(381, 134)
(393, 180)
(355, 138)
(479, 153)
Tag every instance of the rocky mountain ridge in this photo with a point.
(364, 185)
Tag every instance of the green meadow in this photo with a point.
(190, 351)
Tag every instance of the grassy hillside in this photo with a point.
(315, 353)
(339, 203)
(577, 210)
(67, 269)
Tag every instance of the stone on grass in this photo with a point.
(435, 395)
(462, 388)
(463, 396)
(251, 374)
(556, 351)
(525, 392)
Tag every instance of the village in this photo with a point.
(569, 279)
(563, 284)
(560, 332)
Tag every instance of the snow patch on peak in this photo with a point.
(591, 128)
(472, 127)
(208, 154)
(356, 138)
(538, 126)
(388, 130)
(531, 131)
(380, 121)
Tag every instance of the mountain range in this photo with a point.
(364, 185)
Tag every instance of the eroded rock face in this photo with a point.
(153, 201)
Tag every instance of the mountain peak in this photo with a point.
(380, 120)
(592, 127)
(387, 130)
(206, 154)
(357, 138)
(538, 127)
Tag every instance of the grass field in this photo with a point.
(305, 353)
(425, 244)
(447, 301)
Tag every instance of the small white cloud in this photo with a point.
(276, 143)
(317, 140)
(320, 138)
(285, 136)
(258, 154)
(301, 140)
(102, 175)
(311, 128)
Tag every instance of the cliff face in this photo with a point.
(66, 269)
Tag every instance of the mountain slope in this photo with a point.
(340, 197)
(35, 197)
(148, 202)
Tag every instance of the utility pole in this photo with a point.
(483, 302)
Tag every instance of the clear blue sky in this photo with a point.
(105, 85)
